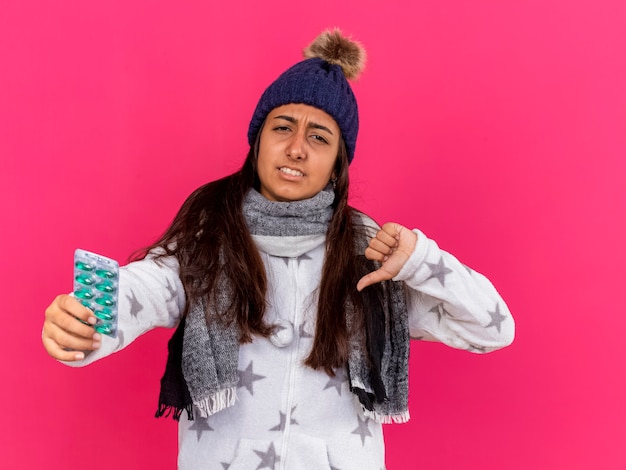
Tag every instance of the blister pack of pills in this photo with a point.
(96, 280)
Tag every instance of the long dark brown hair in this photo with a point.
(210, 238)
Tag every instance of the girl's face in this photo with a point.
(297, 152)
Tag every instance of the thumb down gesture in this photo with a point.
(392, 246)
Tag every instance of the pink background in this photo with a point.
(497, 127)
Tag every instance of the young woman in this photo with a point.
(293, 311)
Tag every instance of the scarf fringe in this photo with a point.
(164, 411)
(216, 402)
(387, 419)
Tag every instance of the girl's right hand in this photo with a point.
(64, 336)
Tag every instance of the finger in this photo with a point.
(65, 311)
(374, 277)
(73, 326)
(389, 234)
(376, 255)
(58, 352)
(67, 340)
(72, 306)
(381, 246)
(62, 354)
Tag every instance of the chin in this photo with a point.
(286, 195)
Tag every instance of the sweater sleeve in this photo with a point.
(151, 295)
(451, 303)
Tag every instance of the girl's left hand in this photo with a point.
(392, 246)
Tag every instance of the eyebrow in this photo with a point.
(314, 125)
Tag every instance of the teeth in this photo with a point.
(291, 172)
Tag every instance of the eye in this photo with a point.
(319, 138)
(282, 128)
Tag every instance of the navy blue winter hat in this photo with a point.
(321, 80)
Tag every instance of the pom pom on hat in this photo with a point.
(335, 48)
(321, 80)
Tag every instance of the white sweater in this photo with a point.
(288, 416)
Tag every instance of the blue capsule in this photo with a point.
(104, 329)
(83, 294)
(104, 314)
(106, 286)
(85, 279)
(106, 274)
(83, 266)
(105, 301)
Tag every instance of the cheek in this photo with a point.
(329, 165)
(262, 161)
(323, 174)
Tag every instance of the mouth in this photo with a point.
(290, 171)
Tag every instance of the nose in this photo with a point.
(296, 148)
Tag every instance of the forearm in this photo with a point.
(150, 296)
(451, 303)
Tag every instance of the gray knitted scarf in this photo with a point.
(378, 359)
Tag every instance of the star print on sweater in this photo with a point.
(247, 378)
(135, 305)
(268, 458)
(283, 420)
(171, 289)
(120, 338)
(439, 271)
(200, 425)
(302, 331)
(440, 311)
(338, 380)
(496, 318)
(362, 429)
